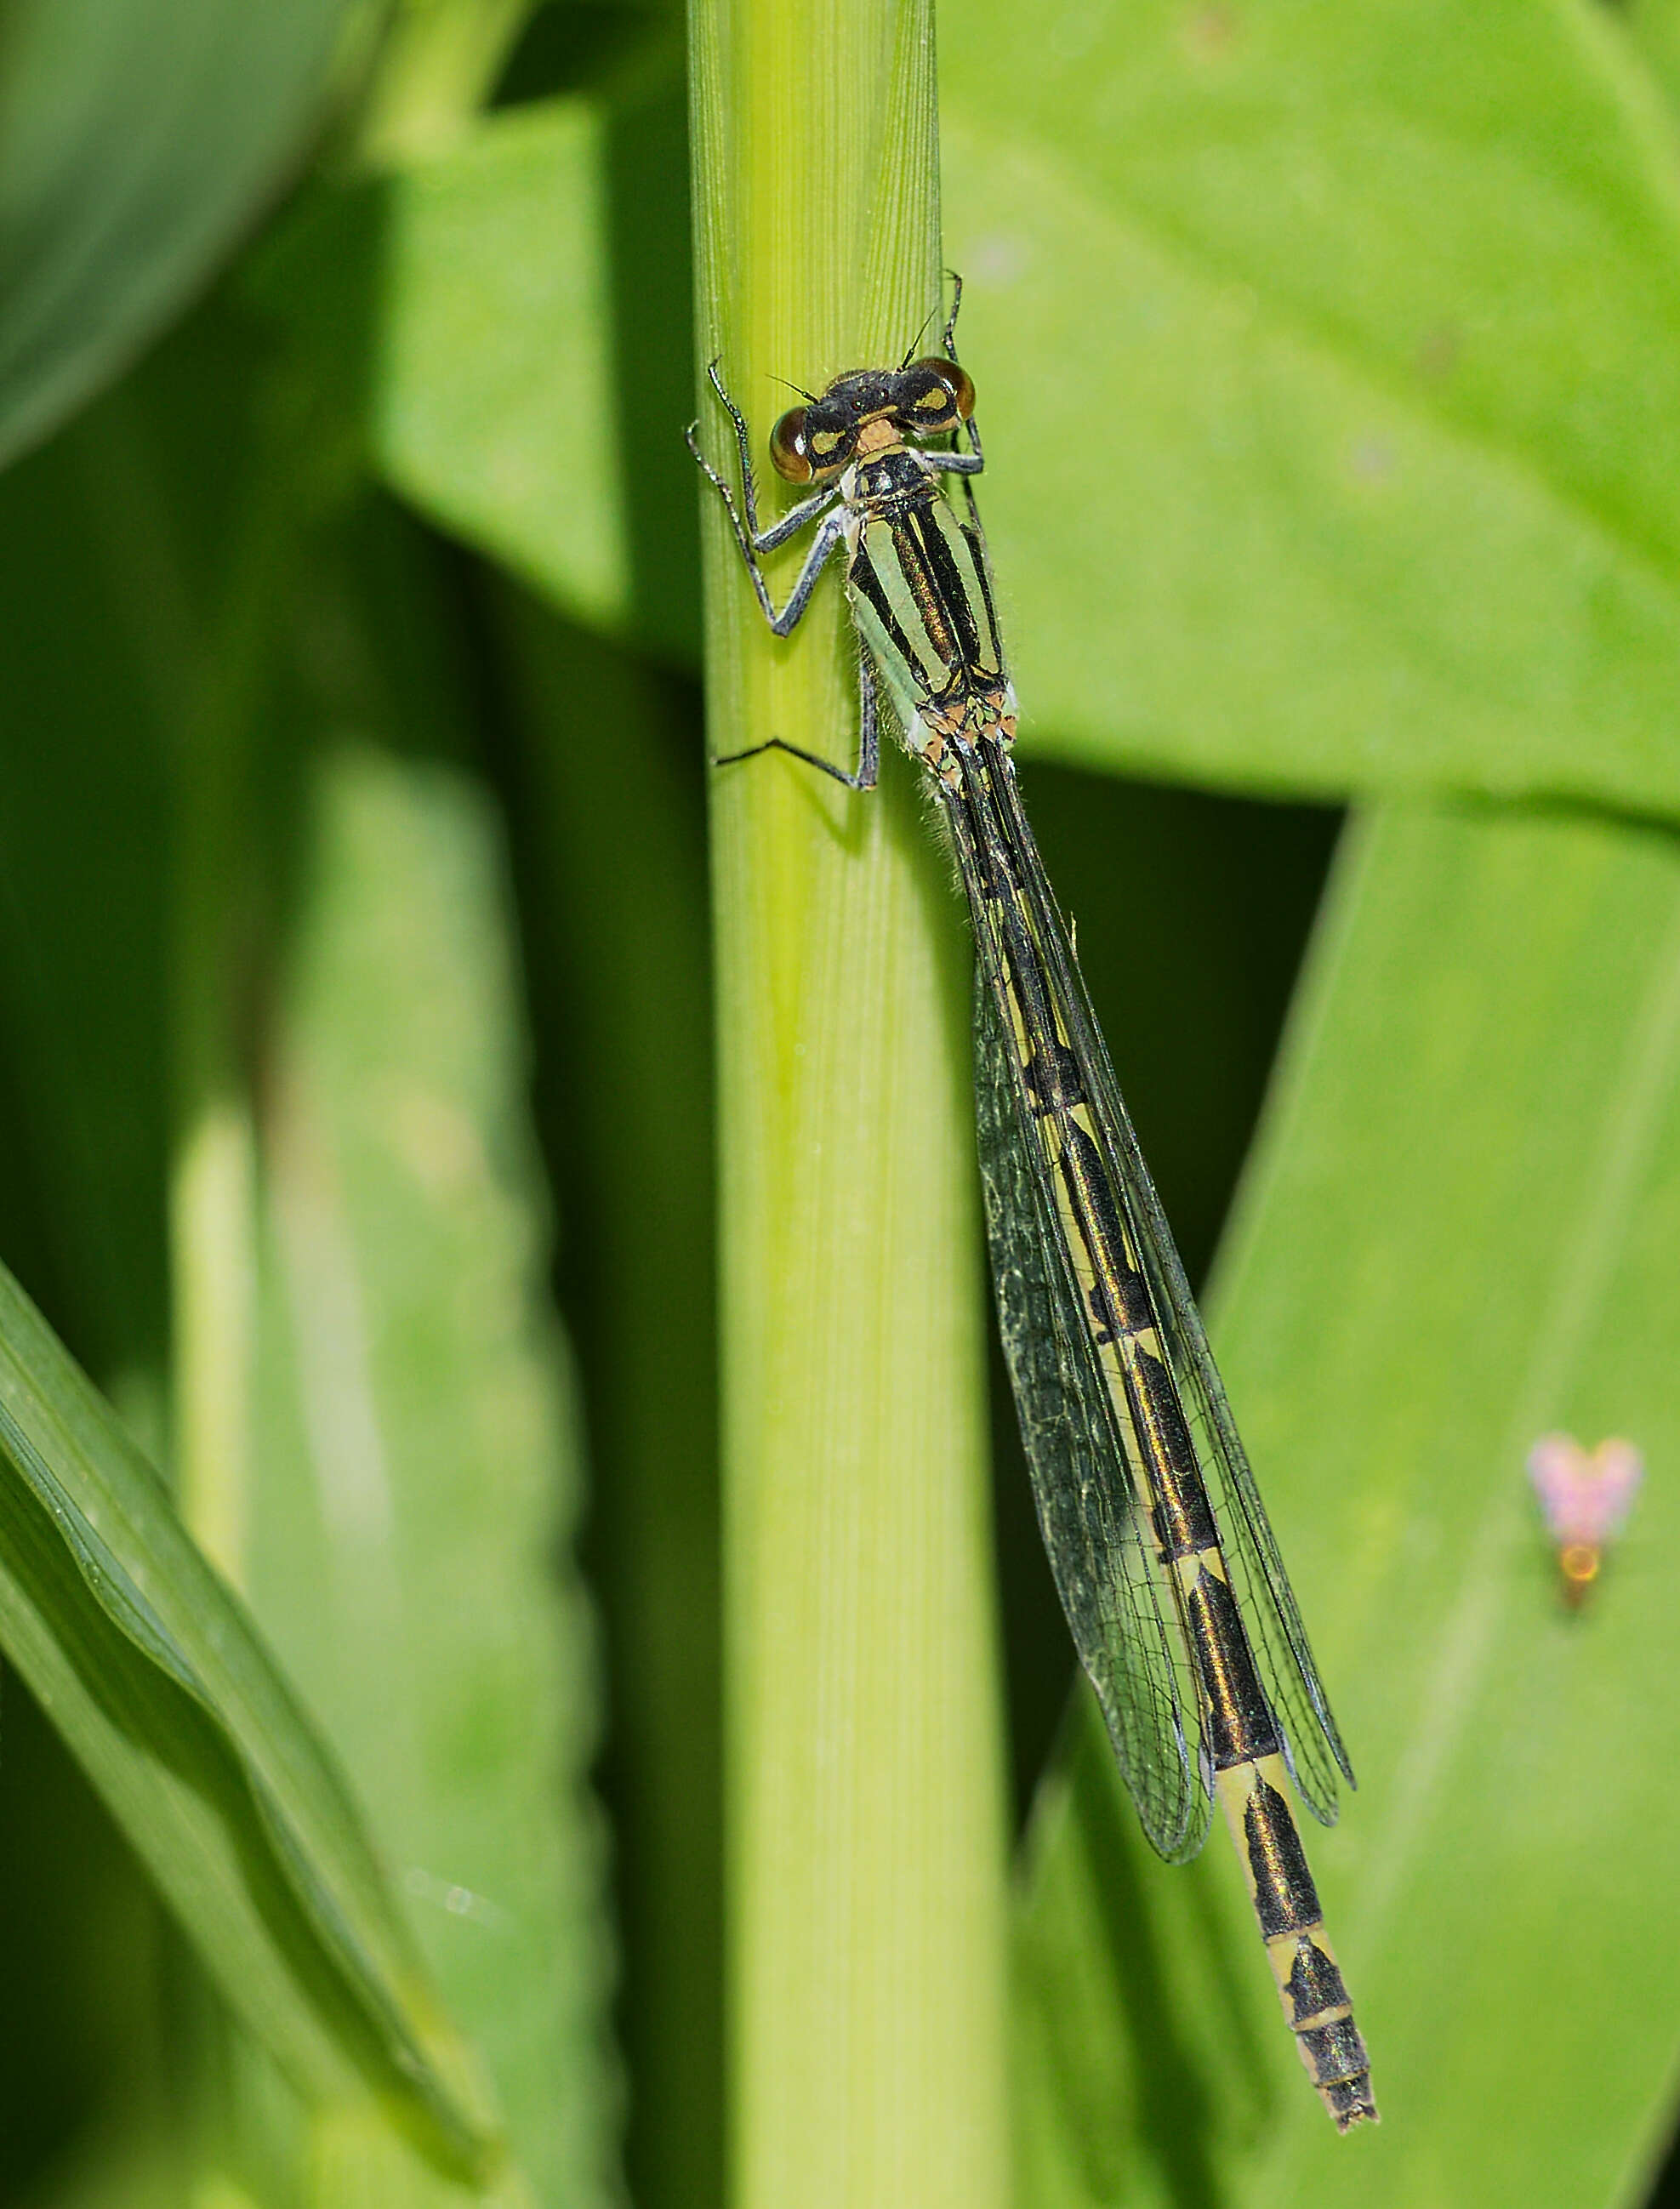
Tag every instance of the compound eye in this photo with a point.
(788, 455)
(804, 450)
(949, 395)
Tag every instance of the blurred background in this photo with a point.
(355, 1060)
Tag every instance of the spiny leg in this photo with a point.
(749, 539)
(786, 525)
(949, 343)
(752, 540)
(869, 740)
(948, 340)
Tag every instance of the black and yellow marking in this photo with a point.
(1241, 1737)
(1160, 1546)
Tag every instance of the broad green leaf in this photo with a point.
(1362, 480)
(419, 1484)
(159, 1684)
(1329, 360)
(495, 257)
(532, 375)
(1458, 1236)
(137, 137)
(512, 310)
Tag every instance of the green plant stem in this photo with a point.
(866, 1855)
(438, 66)
(213, 1181)
(216, 891)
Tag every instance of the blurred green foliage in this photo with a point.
(355, 1069)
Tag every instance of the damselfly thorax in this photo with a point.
(921, 596)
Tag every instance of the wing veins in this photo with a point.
(1288, 1672)
(1102, 1554)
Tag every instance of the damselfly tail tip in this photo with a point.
(1333, 2052)
(1349, 2102)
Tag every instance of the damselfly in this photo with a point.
(1160, 1546)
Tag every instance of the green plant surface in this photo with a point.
(1365, 470)
(420, 1443)
(157, 1682)
(440, 63)
(1654, 28)
(865, 1871)
(527, 383)
(499, 250)
(140, 137)
(607, 841)
(1350, 259)
(1456, 1237)
(1326, 368)
(491, 1840)
(519, 385)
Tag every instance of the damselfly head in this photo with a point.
(926, 400)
